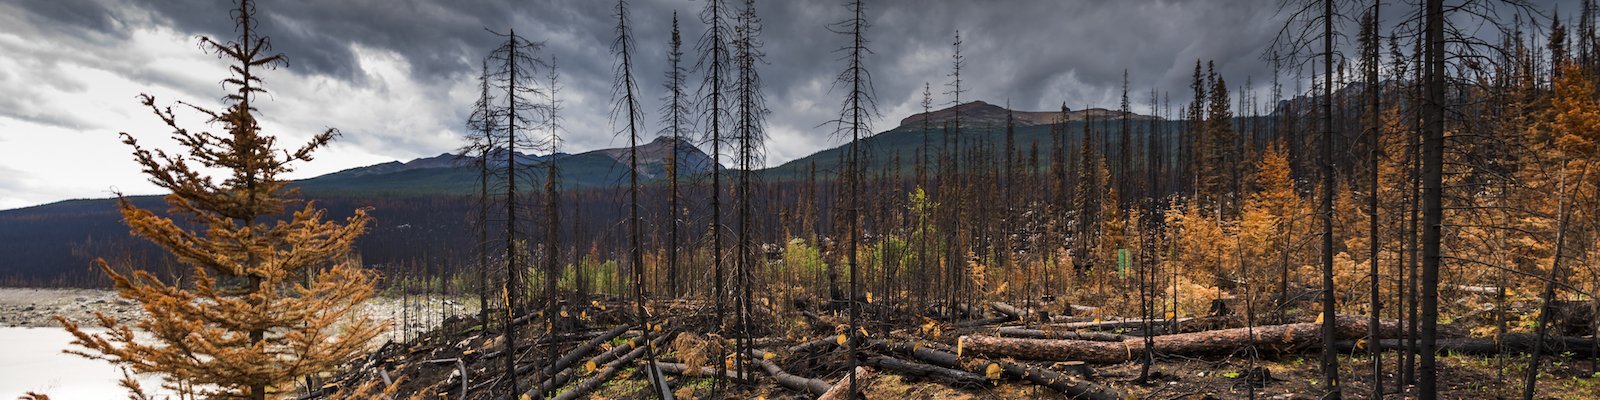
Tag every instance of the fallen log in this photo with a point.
(1007, 309)
(1114, 324)
(948, 376)
(543, 340)
(1020, 332)
(1073, 388)
(1511, 343)
(572, 356)
(841, 390)
(1078, 368)
(684, 370)
(921, 352)
(815, 387)
(1081, 309)
(1269, 339)
(814, 345)
(604, 374)
(565, 376)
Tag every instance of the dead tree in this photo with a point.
(1297, 47)
(1432, 176)
(953, 136)
(513, 66)
(748, 133)
(855, 122)
(1369, 52)
(624, 89)
(481, 145)
(714, 61)
(674, 114)
(552, 209)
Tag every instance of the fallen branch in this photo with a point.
(1271, 339)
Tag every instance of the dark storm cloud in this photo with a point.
(1035, 54)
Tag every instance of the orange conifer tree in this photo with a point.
(272, 297)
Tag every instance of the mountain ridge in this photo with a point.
(980, 112)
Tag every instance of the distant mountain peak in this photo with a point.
(653, 156)
(981, 113)
(652, 159)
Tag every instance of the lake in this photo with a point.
(31, 360)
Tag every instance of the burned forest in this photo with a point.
(1369, 200)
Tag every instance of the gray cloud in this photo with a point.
(1035, 54)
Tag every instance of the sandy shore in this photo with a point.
(28, 307)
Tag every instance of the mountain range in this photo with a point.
(452, 174)
(421, 209)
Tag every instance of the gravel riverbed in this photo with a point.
(36, 308)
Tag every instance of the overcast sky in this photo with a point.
(397, 76)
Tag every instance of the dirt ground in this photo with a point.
(1293, 377)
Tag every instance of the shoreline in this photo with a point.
(36, 308)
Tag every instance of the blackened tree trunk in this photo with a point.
(855, 117)
(1432, 188)
(513, 64)
(1370, 43)
(1330, 360)
(628, 106)
(674, 113)
(748, 132)
(714, 58)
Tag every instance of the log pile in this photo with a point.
(1072, 387)
(980, 346)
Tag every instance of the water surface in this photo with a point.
(31, 360)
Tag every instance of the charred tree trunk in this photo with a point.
(1432, 185)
